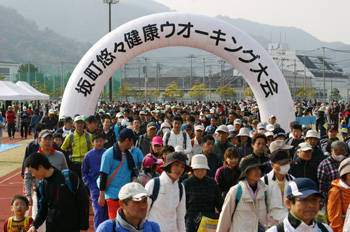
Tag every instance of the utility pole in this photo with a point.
(138, 68)
(145, 72)
(203, 70)
(222, 66)
(324, 78)
(125, 68)
(191, 57)
(158, 75)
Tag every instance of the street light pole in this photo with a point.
(110, 2)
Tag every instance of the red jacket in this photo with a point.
(11, 116)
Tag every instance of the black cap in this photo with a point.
(278, 132)
(279, 156)
(68, 119)
(128, 134)
(148, 113)
(187, 127)
(176, 157)
(247, 163)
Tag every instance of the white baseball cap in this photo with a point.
(133, 191)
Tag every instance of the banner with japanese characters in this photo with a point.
(179, 29)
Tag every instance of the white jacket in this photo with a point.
(278, 209)
(245, 218)
(301, 228)
(167, 210)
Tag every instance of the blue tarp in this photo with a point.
(306, 120)
(5, 147)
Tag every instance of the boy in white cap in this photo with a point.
(132, 212)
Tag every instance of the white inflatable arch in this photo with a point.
(179, 29)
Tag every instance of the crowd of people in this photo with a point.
(171, 166)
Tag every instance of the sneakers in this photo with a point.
(10, 138)
(13, 137)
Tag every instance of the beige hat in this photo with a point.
(323, 108)
(311, 134)
(199, 162)
(344, 167)
(244, 131)
(279, 145)
(304, 146)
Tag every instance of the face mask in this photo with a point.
(261, 131)
(165, 130)
(132, 147)
(160, 122)
(339, 158)
(120, 120)
(207, 115)
(284, 169)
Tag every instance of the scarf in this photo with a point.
(126, 225)
(117, 155)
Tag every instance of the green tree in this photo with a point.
(127, 91)
(335, 94)
(198, 91)
(150, 94)
(225, 92)
(248, 93)
(305, 91)
(172, 91)
(23, 72)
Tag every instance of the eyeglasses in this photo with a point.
(20, 205)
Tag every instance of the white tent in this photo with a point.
(28, 87)
(10, 91)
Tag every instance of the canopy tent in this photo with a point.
(10, 91)
(28, 87)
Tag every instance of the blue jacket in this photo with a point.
(91, 167)
(107, 226)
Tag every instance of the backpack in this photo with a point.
(156, 188)
(67, 182)
(280, 227)
(167, 136)
(238, 198)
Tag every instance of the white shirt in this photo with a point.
(177, 139)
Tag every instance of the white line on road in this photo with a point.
(10, 177)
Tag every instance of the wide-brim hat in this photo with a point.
(176, 157)
(248, 163)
